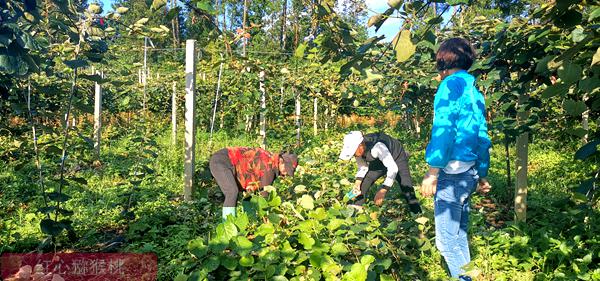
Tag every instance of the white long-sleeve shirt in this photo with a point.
(381, 152)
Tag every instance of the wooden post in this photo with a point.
(315, 108)
(190, 118)
(97, 116)
(521, 163)
(174, 115)
(263, 110)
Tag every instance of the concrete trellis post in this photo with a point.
(315, 108)
(190, 118)
(174, 115)
(263, 109)
(145, 72)
(97, 115)
(297, 119)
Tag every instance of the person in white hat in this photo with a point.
(377, 155)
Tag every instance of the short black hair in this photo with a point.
(455, 53)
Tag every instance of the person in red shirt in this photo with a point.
(238, 169)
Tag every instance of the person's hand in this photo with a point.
(484, 186)
(252, 187)
(429, 185)
(380, 196)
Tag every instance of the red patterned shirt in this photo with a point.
(254, 167)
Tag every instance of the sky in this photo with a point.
(389, 28)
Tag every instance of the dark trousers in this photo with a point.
(403, 178)
(223, 172)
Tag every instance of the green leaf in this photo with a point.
(457, 2)
(58, 197)
(211, 264)
(241, 221)
(376, 19)
(335, 224)
(435, 20)
(243, 245)
(181, 277)
(395, 3)
(594, 14)
(51, 227)
(229, 262)
(587, 150)
(76, 63)
(556, 89)
(299, 53)
(596, 57)
(357, 273)
(275, 202)
(367, 260)
(568, 19)
(422, 220)
(12, 61)
(386, 277)
(95, 9)
(306, 241)
(246, 261)
(206, 7)
(172, 13)
(403, 46)
(589, 85)
(307, 202)
(198, 275)
(142, 21)
(300, 189)
(339, 249)
(157, 4)
(80, 180)
(569, 72)
(578, 34)
(372, 77)
(264, 229)
(47, 210)
(574, 108)
(226, 231)
(197, 247)
(122, 10)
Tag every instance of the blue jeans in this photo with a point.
(451, 210)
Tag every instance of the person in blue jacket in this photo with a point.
(457, 153)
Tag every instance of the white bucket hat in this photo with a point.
(351, 142)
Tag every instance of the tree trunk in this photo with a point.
(521, 163)
(244, 26)
(175, 25)
(283, 24)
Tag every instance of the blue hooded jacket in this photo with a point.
(459, 129)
